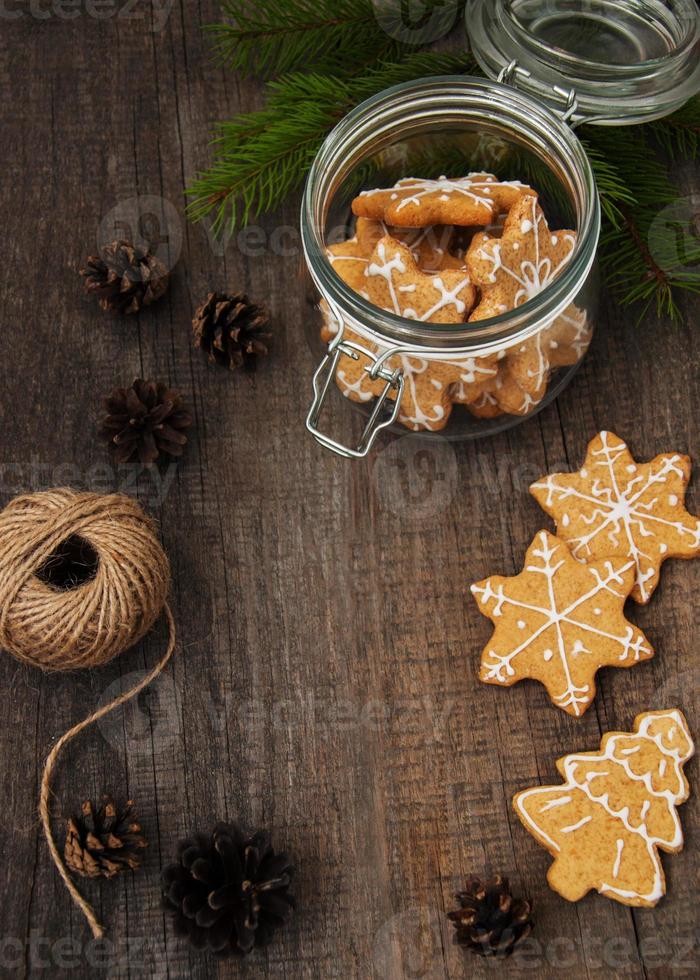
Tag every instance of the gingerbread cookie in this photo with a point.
(568, 338)
(484, 407)
(615, 506)
(559, 622)
(427, 399)
(605, 824)
(430, 246)
(394, 282)
(519, 264)
(500, 395)
(350, 260)
(476, 199)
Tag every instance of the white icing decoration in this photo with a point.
(333, 258)
(579, 323)
(385, 268)
(619, 510)
(616, 867)
(561, 801)
(576, 826)
(533, 275)
(475, 187)
(632, 643)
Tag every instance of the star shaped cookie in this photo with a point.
(559, 622)
(394, 282)
(477, 199)
(430, 247)
(524, 260)
(618, 507)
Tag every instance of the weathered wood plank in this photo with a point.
(325, 683)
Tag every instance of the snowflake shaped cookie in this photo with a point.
(477, 199)
(618, 507)
(604, 825)
(524, 260)
(559, 622)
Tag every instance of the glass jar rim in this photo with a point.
(342, 152)
(606, 92)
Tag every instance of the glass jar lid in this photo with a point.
(603, 61)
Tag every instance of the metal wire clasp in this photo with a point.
(512, 72)
(323, 379)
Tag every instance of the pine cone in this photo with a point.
(145, 422)
(125, 277)
(228, 892)
(490, 921)
(104, 842)
(231, 330)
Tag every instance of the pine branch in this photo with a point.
(678, 135)
(280, 36)
(649, 252)
(262, 156)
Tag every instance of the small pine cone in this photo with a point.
(125, 277)
(231, 330)
(490, 921)
(229, 891)
(146, 421)
(104, 842)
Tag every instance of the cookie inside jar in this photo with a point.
(459, 250)
(450, 227)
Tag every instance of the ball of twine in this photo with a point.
(88, 625)
(92, 620)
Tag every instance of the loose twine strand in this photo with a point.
(87, 625)
(49, 766)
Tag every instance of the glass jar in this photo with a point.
(520, 127)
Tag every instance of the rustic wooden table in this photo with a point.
(325, 681)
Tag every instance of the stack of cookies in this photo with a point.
(456, 251)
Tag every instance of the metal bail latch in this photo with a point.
(512, 72)
(323, 379)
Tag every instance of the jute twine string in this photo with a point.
(87, 625)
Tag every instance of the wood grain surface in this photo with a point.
(325, 683)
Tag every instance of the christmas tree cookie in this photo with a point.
(559, 622)
(616, 506)
(616, 808)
